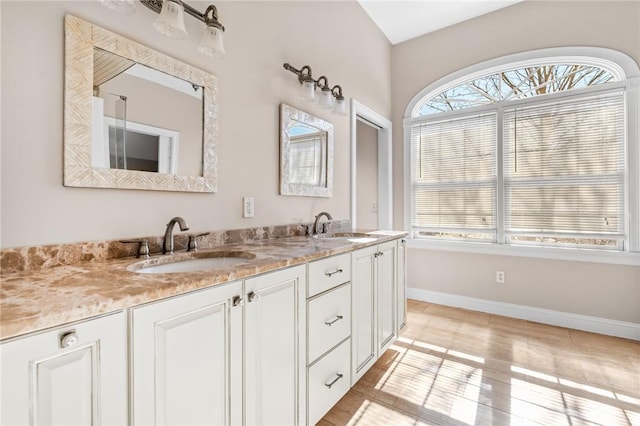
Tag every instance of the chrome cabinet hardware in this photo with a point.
(330, 323)
(68, 338)
(193, 241)
(403, 241)
(143, 246)
(252, 296)
(378, 254)
(333, 382)
(337, 271)
(236, 301)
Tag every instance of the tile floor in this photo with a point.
(456, 367)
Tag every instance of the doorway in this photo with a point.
(371, 159)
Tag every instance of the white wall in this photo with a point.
(599, 290)
(336, 39)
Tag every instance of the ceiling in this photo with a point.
(402, 20)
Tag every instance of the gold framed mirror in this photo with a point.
(306, 154)
(135, 118)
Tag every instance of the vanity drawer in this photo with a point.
(329, 321)
(328, 273)
(328, 381)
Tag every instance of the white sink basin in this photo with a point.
(354, 237)
(205, 262)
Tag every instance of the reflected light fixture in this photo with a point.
(171, 21)
(329, 97)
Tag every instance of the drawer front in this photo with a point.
(325, 384)
(328, 273)
(329, 321)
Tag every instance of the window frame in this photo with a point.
(627, 74)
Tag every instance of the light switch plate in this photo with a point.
(247, 207)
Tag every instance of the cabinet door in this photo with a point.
(363, 331)
(184, 355)
(274, 344)
(386, 295)
(75, 375)
(402, 285)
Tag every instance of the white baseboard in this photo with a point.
(609, 327)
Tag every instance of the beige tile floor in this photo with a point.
(456, 367)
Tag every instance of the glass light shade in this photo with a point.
(123, 7)
(325, 100)
(212, 43)
(308, 91)
(340, 107)
(171, 20)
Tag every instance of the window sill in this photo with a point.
(571, 254)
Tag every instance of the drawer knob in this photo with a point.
(337, 271)
(252, 296)
(330, 323)
(68, 338)
(333, 382)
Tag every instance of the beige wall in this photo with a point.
(600, 290)
(366, 176)
(336, 38)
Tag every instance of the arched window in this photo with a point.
(541, 150)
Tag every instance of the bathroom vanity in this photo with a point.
(277, 338)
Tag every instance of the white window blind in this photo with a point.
(454, 178)
(564, 172)
(308, 158)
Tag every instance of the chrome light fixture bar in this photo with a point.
(171, 21)
(329, 98)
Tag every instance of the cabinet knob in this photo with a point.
(252, 296)
(68, 338)
(236, 301)
(333, 382)
(337, 271)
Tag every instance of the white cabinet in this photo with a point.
(74, 375)
(402, 285)
(187, 359)
(374, 299)
(363, 320)
(274, 348)
(328, 334)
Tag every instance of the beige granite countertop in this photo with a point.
(40, 299)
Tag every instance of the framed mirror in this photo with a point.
(135, 118)
(306, 154)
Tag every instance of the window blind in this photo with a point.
(564, 172)
(454, 177)
(308, 159)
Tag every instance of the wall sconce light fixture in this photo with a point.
(171, 21)
(329, 97)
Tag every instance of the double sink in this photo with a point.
(207, 261)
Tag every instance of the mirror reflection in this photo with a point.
(144, 119)
(306, 154)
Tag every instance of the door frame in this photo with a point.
(385, 161)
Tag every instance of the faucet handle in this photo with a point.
(193, 241)
(143, 246)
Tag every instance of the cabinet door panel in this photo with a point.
(182, 360)
(82, 384)
(274, 315)
(386, 280)
(402, 286)
(363, 331)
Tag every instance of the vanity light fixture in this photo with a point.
(329, 97)
(171, 21)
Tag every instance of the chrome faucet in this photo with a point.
(317, 222)
(167, 245)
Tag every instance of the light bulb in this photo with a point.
(171, 19)
(212, 43)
